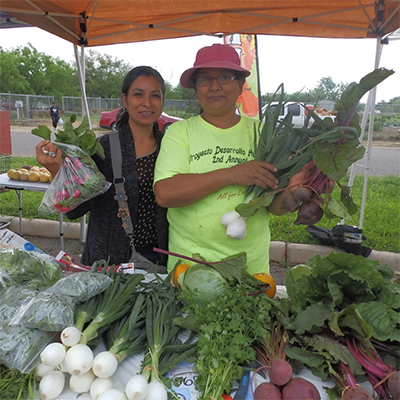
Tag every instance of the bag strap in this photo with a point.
(119, 180)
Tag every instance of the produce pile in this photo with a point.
(31, 174)
(340, 320)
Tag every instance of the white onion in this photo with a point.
(237, 229)
(53, 354)
(42, 370)
(51, 385)
(228, 217)
(99, 386)
(157, 391)
(105, 364)
(137, 388)
(82, 383)
(79, 359)
(112, 394)
(70, 336)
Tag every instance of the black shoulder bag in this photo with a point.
(136, 258)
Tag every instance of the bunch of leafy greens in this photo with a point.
(15, 385)
(339, 296)
(29, 268)
(334, 146)
(227, 328)
(81, 136)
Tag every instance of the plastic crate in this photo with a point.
(5, 163)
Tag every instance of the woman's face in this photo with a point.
(218, 99)
(144, 101)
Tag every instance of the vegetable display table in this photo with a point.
(19, 186)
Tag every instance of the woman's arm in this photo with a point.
(184, 189)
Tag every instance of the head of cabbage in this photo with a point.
(202, 284)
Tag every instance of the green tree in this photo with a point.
(327, 89)
(11, 79)
(104, 75)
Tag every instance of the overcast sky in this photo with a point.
(297, 62)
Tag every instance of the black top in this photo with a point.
(106, 238)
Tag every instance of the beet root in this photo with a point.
(309, 213)
(267, 391)
(300, 389)
(289, 204)
(394, 385)
(302, 194)
(357, 393)
(280, 372)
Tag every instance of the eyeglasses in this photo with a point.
(221, 79)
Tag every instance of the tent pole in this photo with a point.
(81, 76)
(378, 54)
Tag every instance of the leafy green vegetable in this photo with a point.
(334, 146)
(15, 385)
(81, 286)
(227, 328)
(21, 346)
(82, 136)
(33, 269)
(49, 312)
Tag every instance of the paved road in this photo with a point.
(383, 160)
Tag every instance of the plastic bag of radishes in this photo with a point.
(77, 181)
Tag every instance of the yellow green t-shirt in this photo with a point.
(194, 146)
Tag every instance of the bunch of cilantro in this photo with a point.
(227, 328)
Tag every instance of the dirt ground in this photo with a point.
(74, 248)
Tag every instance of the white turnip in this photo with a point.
(112, 394)
(79, 359)
(52, 385)
(99, 386)
(228, 217)
(82, 383)
(70, 336)
(137, 388)
(105, 364)
(237, 229)
(53, 354)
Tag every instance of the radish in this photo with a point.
(105, 364)
(137, 388)
(267, 391)
(52, 385)
(53, 354)
(112, 394)
(99, 386)
(301, 389)
(82, 383)
(79, 359)
(70, 336)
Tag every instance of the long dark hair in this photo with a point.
(133, 74)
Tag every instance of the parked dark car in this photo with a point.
(108, 120)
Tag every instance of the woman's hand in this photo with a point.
(44, 155)
(255, 173)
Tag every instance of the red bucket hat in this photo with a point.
(215, 56)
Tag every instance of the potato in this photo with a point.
(16, 175)
(23, 170)
(10, 173)
(34, 168)
(34, 175)
(44, 178)
(24, 176)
